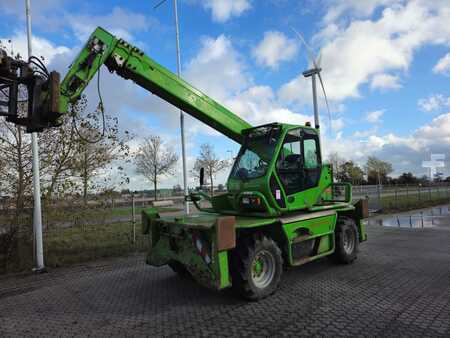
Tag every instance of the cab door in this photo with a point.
(299, 167)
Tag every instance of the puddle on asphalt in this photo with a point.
(425, 218)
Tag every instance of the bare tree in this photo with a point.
(154, 160)
(77, 151)
(336, 162)
(377, 170)
(15, 155)
(66, 155)
(92, 157)
(212, 165)
(58, 154)
(350, 172)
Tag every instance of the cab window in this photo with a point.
(311, 158)
(312, 164)
(299, 165)
(289, 163)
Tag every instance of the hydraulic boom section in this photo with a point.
(131, 63)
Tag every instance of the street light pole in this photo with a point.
(37, 212)
(183, 147)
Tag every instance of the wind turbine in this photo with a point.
(312, 73)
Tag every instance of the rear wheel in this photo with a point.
(179, 269)
(346, 241)
(256, 269)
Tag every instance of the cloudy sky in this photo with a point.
(386, 67)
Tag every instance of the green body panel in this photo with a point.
(207, 220)
(315, 233)
(176, 240)
(315, 226)
(79, 74)
(362, 230)
(225, 280)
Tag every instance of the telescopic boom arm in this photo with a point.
(131, 63)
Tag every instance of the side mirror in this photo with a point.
(202, 176)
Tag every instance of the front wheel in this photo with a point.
(346, 241)
(257, 266)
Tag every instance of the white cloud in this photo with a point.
(434, 102)
(274, 48)
(259, 105)
(438, 131)
(47, 14)
(356, 8)
(217, 69)
(222, 10)
(298, 90)
(337, 124)
(443, 65)
(374, 116)
(40, 47)
(433, 137)
(361, 49)
(53, 16)
(120, 22)
(362, 134)
(385, 81)
(406, 153)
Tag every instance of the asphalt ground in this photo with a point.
(398, 286)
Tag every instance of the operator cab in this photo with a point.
(278, 163)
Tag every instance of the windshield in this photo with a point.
(256, 153)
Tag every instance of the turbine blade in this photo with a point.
(319, 59)
(159, 4)
(309, 50)
(326, 98)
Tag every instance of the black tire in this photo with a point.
(346, 241)
(251, 254)
(179, 269)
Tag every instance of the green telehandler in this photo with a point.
(281, 208)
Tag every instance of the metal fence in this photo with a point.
(74, 231)
(395, 197)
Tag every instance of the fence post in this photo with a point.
(429, 191)
(133, 215)
(418, 192)
(379, 195)
(396, 196)
(407, 195)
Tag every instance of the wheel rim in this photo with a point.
(263, 269)
(349, 241)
